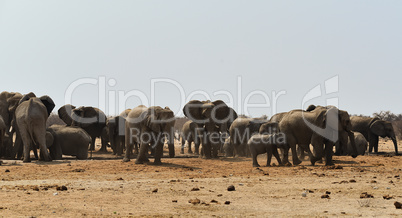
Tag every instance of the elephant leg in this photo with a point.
(104, 145)
(373, 141)
(39, 133)
(190, 141)
(35, 151)
(18, 147)
(328, 153)
(183, 142)
(26, 141)
(206, 149)
(92, 146)
(269, 157)
(120, 144)
(254, 156)
(144, 146)
(196, 146)
(158, 153)
(214, 148)
(301, 153)
(318, 146)
(129, 147)
(295, 159)
(276, 154)
(136, 148)
(142, 155)
(171, 149)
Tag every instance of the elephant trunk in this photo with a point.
(395, 144)
(353, 144)
(170, 141)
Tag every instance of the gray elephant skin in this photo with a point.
(215, 118)
(31, 115)
(267, 142)
(91, 119)
(68, 140)
(240, 132)
(191, 132)
(8, 104)
(149, 127)
(372, 128)
(317, 127)
(115, 127)
(361, 144)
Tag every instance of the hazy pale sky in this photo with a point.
(205, 46)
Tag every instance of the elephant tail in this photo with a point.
(30, 121)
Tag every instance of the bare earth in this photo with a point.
(106, 186)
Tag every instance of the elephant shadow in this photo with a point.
(345, 162)
(235, 159)
(54, 162)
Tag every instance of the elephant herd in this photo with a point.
(213, 126)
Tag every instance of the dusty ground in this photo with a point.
(108, 187)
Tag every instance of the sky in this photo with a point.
(260, 57)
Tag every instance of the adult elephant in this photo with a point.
(91, 119)
(372, 128)
(191, 132)
(317, 127)
(8, 104)
(149, 127)
(115, 127)
(215, 118)
(241, 130)
(341, 145)
(67, 140)
(31, 115)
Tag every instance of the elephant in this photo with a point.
(31, 115)
(115, 127)
(191, 132)
(8, 104)
(149, 126)
(215, 118)
(240, 132)
(67, 140)
(372, 128)
(361, 144)
(267, 142)
(91, 119)
(319, 127)
(65, 113)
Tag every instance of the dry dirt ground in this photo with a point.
(107, 187)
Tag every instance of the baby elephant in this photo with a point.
(267, 143)
(67, 140)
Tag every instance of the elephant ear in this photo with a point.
(13, 102)
(48, 102)
(311, 107)
(26, 97)
(378, 128)
(221, 112)
(269, 128)
(152, 120)
(232, 117)
(193, 110)
(331, 118)
(64, 113)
